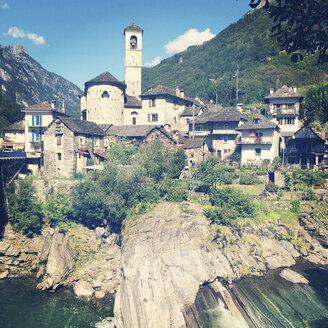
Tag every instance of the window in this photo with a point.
(175, 119)
(258, 151)
(81, 141)
(96, 142)
(256, 121)
(36, 120)
(105, 95)
(226, 126)
(280, 121)
(152, 102)
(59, 156)
(290, 121)
(252, 133)
(225, 139)
(134, 120)
(152, 117)
(199, 128)
(36, 135)
(226, 151)
(133, 42)
(59, 139)
(188, 120)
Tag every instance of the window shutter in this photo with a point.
(32, 135)
(40, 120)
(32, 120)
(149, 118)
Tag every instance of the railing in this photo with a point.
(253, 141)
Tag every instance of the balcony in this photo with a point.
(255, 141)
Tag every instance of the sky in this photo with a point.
(81, 39)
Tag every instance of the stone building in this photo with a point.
(68, 143)
(219, 126)
(259, 140)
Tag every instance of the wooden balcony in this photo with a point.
(255, 141)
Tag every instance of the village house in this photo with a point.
(68, 144)
(37, 118)
(219, 126)
(196, 150)
(14, 137)
(259, 140)
(284, 109)
(305, 148)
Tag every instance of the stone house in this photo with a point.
(284, 109)
(37, 118)
(143, 134)
(219, 126)
(305, 148)
(259, 140)
(196, 150)
(68, 143)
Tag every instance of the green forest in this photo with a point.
(9, 113)
(247, 43)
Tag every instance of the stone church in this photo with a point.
(106, 100)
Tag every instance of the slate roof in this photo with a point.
(197, 142)
(133, 27)
(104, 78)
(263, 123)
(135, 131)
(215, 113)
(132, 102)
(284, 92)
(105, 127)
(17, 126)
(307, 133)
(83, 127)
(189, 110)
(43, 106)
(163, 90)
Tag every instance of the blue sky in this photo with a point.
(81, 39)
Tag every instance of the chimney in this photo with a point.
(177, 92)
(53, 104)
(271, 91)
(295, 89)
(182, 95)
(323, 136)
(240, 107)
(63, 106)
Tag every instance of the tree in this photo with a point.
(299, 25)
(25, 211)
(316, 103)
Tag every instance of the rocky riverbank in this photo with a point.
(86, 260)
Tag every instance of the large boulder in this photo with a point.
(83, 289)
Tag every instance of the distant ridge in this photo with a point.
(25, 82)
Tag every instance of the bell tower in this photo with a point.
(133, 55)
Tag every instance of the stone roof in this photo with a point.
(163, 90)
(263, 123)
(17, 126)
(133, 27)
(216, 114)
(132, 101)
(134, 131)
(105, 127)
(43, 106)
(197, 142)
(83, 127)
(284, 92)
(104, 78)
(306, 133)
(189, 111)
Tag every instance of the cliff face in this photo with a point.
(169, 253)
(26, 82)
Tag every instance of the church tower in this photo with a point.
(133, 53)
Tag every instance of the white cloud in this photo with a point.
(15, 32)
(190, 38)
(4, 5)
(154, 62)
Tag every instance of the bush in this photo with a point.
(173, 191)
(229, 204)
(248, 179)
(57, 208)
(25, 211)
(271, 187)
(295, 206)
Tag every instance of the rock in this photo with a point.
(83, 289)
(60, 261)
(96, 284)
(3, 247)
(4, 274)
(6, 260)
(99, 294)
(105, 323)
(12, 251)
(293, 277)
(41, 272)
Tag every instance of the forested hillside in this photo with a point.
(247, 43)
(9, 113)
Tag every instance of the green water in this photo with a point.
(23, 306)
(271, 301)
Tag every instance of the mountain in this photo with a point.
(247, 43)
(24, 81)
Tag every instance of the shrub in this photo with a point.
(173, 191)
(248, 179)
(309, 194)
(25, 211)
(271, 187)
(295, 206)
